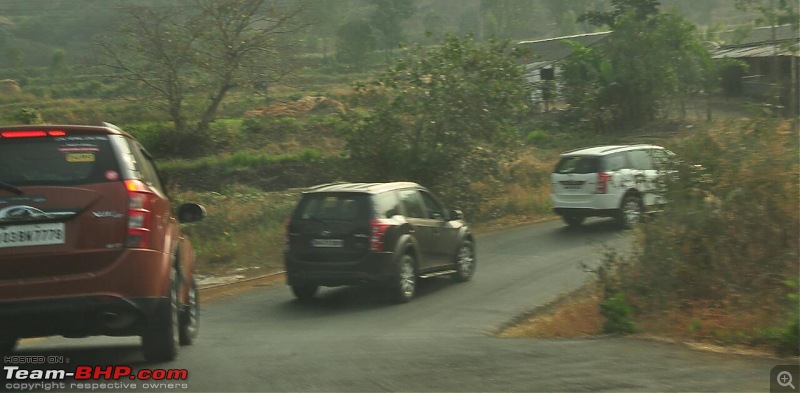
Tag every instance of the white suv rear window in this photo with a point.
(577, 164)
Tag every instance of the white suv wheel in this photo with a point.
(630, 212)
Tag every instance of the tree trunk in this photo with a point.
(204, 125)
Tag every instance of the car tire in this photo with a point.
(405, 282)
(630, 212)
(465, 262)
(304, 292)
(7, 345)
(190, 317)
(160, 342)
(573, 220)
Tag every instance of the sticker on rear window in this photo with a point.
(73, 149)
(112, 175)
(80, 157)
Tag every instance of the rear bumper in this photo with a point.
(117, 298)
(375, 267)
(585, 212)
(79, 316)
(131, 273)
(587, 205)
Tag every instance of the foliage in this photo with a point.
(617, 314)
(273, 128)
(444, 117)
(772, 12)
(354, 42)
(617, 91)
(28, 116)
(727, 239)
(643, 10)
(790, 336)
(388, 17)
(243, 229)
(208, 49)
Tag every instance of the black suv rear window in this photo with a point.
(334, 207)
(578, 164)
(68, 160)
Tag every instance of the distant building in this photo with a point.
(546, 54)
(771, 55)
(542, 62)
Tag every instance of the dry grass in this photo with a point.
(577, 315)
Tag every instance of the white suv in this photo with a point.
(619, 181)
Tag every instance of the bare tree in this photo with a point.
(201, 48)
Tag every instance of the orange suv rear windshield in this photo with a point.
(67, 160)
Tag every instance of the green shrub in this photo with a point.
(271, 128)
(539, 138)
(28, 116)
(617, 314)
(789, 339)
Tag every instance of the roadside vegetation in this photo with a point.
(719, 264)
(241, 118)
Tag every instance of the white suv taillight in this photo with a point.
(377, 230)
(139, 214)
(602, 182)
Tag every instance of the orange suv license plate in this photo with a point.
(32, 235)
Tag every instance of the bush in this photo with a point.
(539, 138)
(726, 242)
(28, 116)
(617, 314)
(271, 128)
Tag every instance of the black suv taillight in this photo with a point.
(140, 201)
(377, 230)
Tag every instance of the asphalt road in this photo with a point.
(351, 339)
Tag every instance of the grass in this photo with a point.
(243, 229)
(575, 315)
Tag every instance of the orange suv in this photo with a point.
(89, 244)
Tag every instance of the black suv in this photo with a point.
(385, 233)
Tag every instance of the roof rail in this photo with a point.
(109, 125)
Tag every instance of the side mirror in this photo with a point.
(456, 215)
(191, 212)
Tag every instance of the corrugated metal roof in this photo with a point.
(759, 35)
(763, 50)
(553, 49)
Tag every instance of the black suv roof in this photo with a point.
(370, 188)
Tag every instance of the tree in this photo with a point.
(324, 18)
(617, 90)
(181, 53)
(388, 18)
(58, 62)
(640, 9)
(354, 42)
(512, 18)
(444, 117)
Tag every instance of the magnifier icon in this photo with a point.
(784, 379)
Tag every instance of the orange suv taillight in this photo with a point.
(378, 229)
(140, 200)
